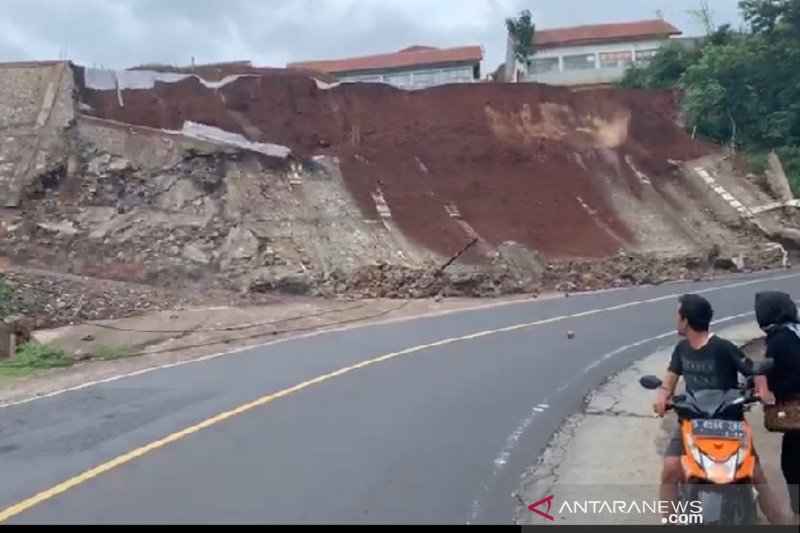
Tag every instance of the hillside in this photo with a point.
(260, 179)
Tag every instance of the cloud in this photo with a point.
(122, 33)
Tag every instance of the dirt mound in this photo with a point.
(54, 300)
(515, 162)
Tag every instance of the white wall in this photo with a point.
(598, 74)
(414, 79)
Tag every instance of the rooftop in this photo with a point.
(604, 32)
(413, 56)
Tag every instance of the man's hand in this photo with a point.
(660, 405)
(766, 397)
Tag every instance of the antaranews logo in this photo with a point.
(681, 512)
(548, 501)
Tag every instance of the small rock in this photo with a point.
(81, 355)
(88, 338)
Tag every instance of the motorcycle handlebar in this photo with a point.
(750, 397)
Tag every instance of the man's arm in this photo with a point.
(674, 372)
(669, 383)
(744, 364)
(746, 367)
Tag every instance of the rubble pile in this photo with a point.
(623, 270)
(393, 281)
(626, 270)
(54, 300)
(114, 221)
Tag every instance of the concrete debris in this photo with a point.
(43, 299)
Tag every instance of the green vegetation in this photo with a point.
(107, 353)
(522, 30)
(740, 88)
(35, 355)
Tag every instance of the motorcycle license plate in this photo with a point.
(729, 429)
(711, 504)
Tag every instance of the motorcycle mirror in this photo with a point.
(650, 382)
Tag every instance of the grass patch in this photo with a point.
(108, 353)
(13, 372)
(35, 355)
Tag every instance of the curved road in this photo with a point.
(430, 420)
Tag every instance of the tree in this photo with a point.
(741, 88)
(763, 15)
(704, 16)
(522, 30)
(665, 71)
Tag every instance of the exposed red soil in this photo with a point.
(516, 159)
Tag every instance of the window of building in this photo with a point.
(426, 77)
(368, 79)
(401, 80)
(542, 65)
(579, 62)
(644, 57)
(457, 74)
(615, 59)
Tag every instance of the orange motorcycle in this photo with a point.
(718, 460)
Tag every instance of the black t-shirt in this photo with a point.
(783, 346)
(714, 366)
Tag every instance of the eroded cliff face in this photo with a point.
(260, 180)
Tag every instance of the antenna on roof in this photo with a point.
(659, 14)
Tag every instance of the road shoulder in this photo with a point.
(612, 450)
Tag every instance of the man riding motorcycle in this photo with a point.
(705, 361)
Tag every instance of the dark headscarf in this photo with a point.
(775, 309)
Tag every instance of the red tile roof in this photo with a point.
(414, 56)
(603, 32)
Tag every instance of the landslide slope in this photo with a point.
(566, 174)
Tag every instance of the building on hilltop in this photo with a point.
(589, 55)
(415, 67)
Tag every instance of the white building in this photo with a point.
(589, 55)
(415, 67)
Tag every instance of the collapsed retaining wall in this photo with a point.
(261, 180)
(36, 104)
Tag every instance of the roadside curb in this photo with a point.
(612, 447)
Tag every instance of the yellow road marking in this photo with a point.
(48, 494)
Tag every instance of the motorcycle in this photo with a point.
(718, 461)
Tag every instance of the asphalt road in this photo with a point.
(438, 434)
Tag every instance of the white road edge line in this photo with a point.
(324, 331)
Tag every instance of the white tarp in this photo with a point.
(109, 80)
(204, 132)
(325, 86)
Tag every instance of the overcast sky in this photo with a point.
(123, 33)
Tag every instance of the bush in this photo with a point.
(36, 355)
